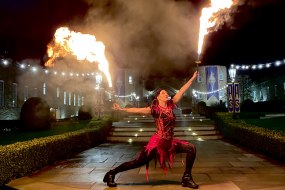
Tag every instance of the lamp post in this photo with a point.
(232, 73)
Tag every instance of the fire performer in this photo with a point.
(162, 145)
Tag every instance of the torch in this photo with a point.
(206, 22)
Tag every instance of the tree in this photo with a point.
(245, 87)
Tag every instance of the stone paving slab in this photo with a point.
(219, 166)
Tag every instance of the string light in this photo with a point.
(126, 96)
(259, 66)
(195, 92)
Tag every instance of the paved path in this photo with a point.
(219, 166)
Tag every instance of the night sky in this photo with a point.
(150, 34)
(27, 26)
(255, 35)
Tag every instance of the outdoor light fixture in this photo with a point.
(232, 73)
(232, 88)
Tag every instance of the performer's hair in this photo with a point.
(157, 93)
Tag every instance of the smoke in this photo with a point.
(68, 76)
(155, 37)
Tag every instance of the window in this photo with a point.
(268, 92)
(199, 78)
(57, 92)
(275, 90)
(1, 93)
(260, 95)
(221, 76)
(35, 92)
(130, 80)
(14, 94)
(78, 100)
(254, 96)
(284, 87)
(26, 93)
(64, 97)
(69, 98)
(221, 94)
(199, 96)
(74, 99)
(82, 100)
(44, 88)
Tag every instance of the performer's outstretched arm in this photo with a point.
(145, 110)
(183, 89)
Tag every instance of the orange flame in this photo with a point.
(83, 46)
(207, 21)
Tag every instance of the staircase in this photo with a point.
(140, 128)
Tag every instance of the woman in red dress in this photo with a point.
(162, 145)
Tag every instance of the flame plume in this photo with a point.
(207, 19)
(83, 46)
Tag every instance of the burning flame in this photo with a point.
(207, 21)
(83, 46)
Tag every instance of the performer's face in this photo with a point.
(163, 96)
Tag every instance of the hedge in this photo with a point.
(256, 138)
(22, 158)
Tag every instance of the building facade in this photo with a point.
(211, 85)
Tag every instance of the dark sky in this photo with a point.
(136, 32)
(28, 25)
(254, 35)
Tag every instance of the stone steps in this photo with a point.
(146, 139)
(153, 129)
(141, 128)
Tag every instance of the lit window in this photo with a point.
(199, 78)
(268, 92)
(74, 100)
(14, 94)
(26, 93)
(199, 96)
(254, 96)
(221, 76)
(69, 98)
(130, 80)
(1, 93)
(57, 92)
(260, 95)
(44, 88)
(221, 94)
(78, 100)
(64, 97)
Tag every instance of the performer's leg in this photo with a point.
(190, 149)
(141, 160)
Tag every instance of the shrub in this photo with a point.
(247, 106)
(35, 114)
(19, 159)
(85, 113)
(257, 138)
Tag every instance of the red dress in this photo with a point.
(163, 138)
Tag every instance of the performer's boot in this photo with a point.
(187, 181)
(109, 179)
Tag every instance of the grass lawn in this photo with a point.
(277, 123)
(57, 128)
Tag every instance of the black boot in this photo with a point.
(187, 181)
(109, 179)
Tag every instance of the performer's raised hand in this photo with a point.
(116, 106)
